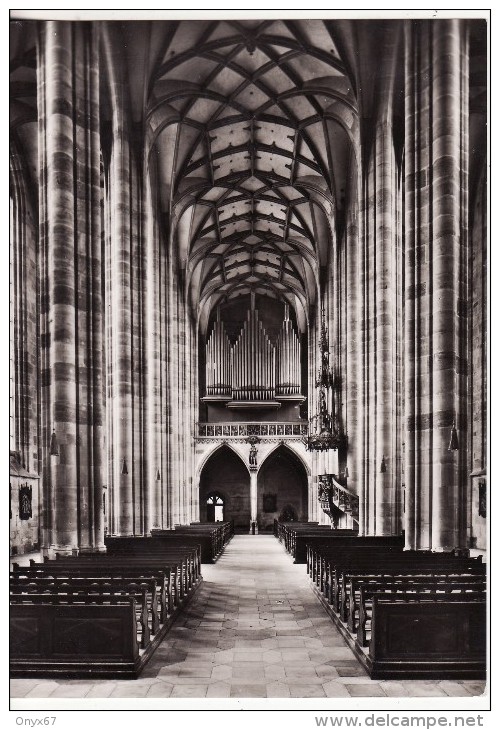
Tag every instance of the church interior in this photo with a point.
(248, 362)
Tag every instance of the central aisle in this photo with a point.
(253, 629)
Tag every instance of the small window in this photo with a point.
(215, 508)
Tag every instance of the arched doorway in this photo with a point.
(225, 476)
(281, 488)
(215, 508)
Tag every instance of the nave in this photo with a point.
(253, 629)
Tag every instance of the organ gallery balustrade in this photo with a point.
(242, 430)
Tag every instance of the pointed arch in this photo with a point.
(288, 446)
(205, 458)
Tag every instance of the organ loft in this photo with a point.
(248, 295)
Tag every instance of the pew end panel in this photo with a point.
(74, 641)
(427, 640)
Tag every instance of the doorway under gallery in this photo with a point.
(281, 488)
(224, 475)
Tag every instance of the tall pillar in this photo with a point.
(436, 195)
(70, 238)
(253, 500)
(126, 268)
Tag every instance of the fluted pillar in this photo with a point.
(436, 194)
(70, 238)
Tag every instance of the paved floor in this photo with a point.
(254, 629)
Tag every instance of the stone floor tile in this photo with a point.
(426, 690)
(160, 689)
(319, 657)
(272, 656)
(226, 656)
(218, 689)
(357, 671)
(454, 689)
(195, 672)
(294, 655)
(222, 671)
(43, 689)
(225, 644)
(250, 673)
(340, 652)
(20, 687)
(71, 690)
(306, 690)
(365, 690)
(130, 689)
(248, 690)
(277, 689)
(187, 680)
(335, 689)
(475, 688)
(300, 670)
(394, 689)
(102, 690)
(291, 642)
(274, 671)
(189, 690)
(248, 656)
(326, 670)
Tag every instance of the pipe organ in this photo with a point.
(218, 363)
(253, 362)
(288, 375)
(253, 372)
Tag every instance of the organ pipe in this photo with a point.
(288, 371)
(253, 353)
(218, 362)
(253, 369)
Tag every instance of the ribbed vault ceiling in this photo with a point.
(250, 124)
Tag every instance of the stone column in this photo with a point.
(436, 194)
(126, 268)
(253, 500)
(70, 238)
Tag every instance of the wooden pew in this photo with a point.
(52, 638)
(350, 587)
(350, 580)
(170, 538)
(408, 589)
(183, 563)
(435, 636)
(145, 603)
(149, 588)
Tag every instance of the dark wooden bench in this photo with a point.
(408, 589)
(62, 596)
(183, 564)
(351, 584)
(434, 636)
(146, 602)
(216, 534)
(170, 538)
(328, 562)
(177, 578)
(52, 638)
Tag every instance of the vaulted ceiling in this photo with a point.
(250, 124)
(252, 135)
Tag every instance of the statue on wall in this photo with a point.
(252, 456)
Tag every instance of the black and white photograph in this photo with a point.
(249, 360)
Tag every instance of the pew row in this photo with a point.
(404, 614)
(97, 615)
